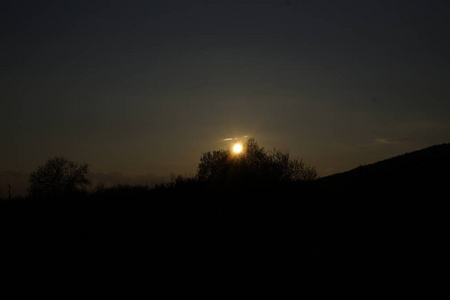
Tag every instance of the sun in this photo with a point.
(237, 148)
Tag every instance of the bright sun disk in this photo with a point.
(237, 148)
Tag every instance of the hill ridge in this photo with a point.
(426, 167)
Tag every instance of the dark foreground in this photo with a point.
(301, 240)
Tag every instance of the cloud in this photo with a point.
(388, 141)
(235, 138)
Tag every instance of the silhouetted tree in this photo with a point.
(254, 165)
(214, 165)
(58, 177)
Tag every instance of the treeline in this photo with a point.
(254, 224)
(253, 167)
(212, 234)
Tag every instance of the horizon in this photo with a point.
(19, 180)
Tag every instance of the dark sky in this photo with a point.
(145, 87)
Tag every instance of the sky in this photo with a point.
(141, 89)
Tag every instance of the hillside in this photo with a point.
(424, 171)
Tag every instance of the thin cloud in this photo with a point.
(387, 141)
(235, 138)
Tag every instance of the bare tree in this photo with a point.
(58, 177)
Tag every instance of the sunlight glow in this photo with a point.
(237, 148)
